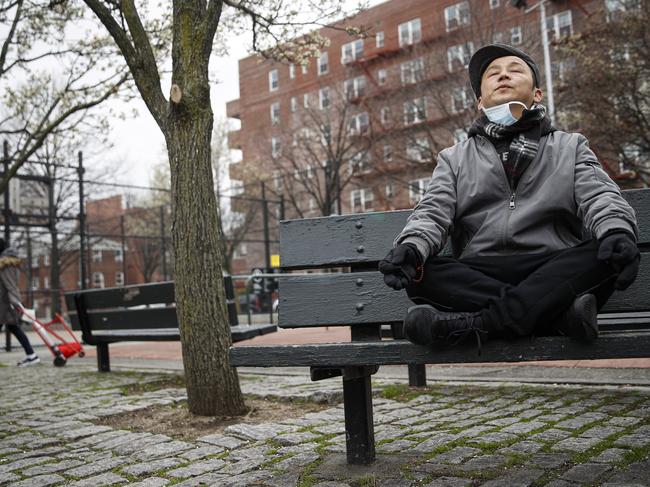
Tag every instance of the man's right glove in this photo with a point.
(620, 250)
(401, 266)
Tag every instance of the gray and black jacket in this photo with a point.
(563, 197)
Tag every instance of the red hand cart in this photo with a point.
(53, 335)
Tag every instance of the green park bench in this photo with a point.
(359, 299)
(141, 312)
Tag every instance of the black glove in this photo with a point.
(400, 266)
(621, 251)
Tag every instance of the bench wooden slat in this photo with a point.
(135, 295)
(362, 298)
(239, 333)
(394, 352)
(129, 319)
(366, 237)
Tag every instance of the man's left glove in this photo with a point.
(401, 266)
(621, 251)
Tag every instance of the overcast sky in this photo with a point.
(138, 142)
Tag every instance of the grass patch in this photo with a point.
(403, 392)
(636, 455)
(365, 481)
(174, 381)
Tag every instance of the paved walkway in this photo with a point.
(446, 435)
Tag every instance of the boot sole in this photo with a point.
(586, 307)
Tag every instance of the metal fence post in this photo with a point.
(82, 224)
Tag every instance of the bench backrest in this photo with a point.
(139, 306)
(359, 241)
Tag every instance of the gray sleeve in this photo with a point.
(600, 204)
(428, 226)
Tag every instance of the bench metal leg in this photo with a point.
(7, 339)
(359, 428)
(103, 361)
(417, 375)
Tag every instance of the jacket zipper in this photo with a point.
(512, 201)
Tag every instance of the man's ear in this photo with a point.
(479, 104)
(537, 95)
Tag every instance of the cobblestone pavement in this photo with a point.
(445, 435)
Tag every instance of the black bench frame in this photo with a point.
(141, 312)
(360, 299)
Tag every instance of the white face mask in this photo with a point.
(501, 114)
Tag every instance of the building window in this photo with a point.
(119, 278)
(98, 279)
(241, 250)
(275, 113)
(412, 71)
(494, 4)
(515, 36)
(461, 99)
(418, 150)
(351, 51)
(385, 115)
(277, 180)
(305, 100)
(324, 97)
(361, 200)
(354, 87)
(34, 261)
(294, 104)
(390, 190)
(46, 283)
(458, 56)
(457, 15)
(381, 76)
(46, 259)
(415, 111)
(417, 187)
(323, 64)
(559, 69)
(360, 163)
(292, 71)
(97, 255)
(274, 81)
(358, 123)
(276, 147)
(460, 135)
(118, 256)
(326, 134)
(614, 8)
(387, 153)
(559, 25)
(410, 32)
(304, 68)
(35, 282)
(380, 39)
(236, 187)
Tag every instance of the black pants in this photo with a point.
(22, 338)
(520, 295)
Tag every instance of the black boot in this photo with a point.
(579, 321)
(425, 325)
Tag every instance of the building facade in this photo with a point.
(123, 246)
(358, 128)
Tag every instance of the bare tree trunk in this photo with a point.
(198, 259)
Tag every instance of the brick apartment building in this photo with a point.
(111, 260)
(392, 98)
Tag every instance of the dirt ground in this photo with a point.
(177, 422)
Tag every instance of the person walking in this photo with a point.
(540, 234)
(10, 304)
